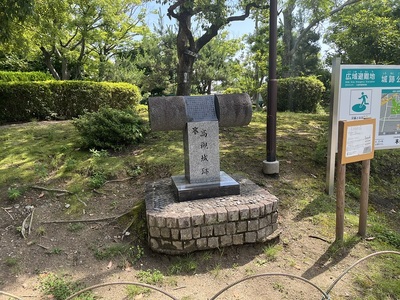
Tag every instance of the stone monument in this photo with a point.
(200, 117)
(205, 208)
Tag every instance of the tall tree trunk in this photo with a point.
(209, 87)
(186, 58)
(102, 67)
(49, 64)
(288, 39)
(185, 69)
(78, 68)
(65, 74)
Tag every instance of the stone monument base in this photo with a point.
(190, 191)
(184, 227)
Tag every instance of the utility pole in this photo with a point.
(271, 165)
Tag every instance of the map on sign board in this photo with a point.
(371, 91)
(390, 112)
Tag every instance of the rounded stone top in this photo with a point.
(233, 109)
(171, 113)
(167, 113)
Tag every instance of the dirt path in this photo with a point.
(70, 249)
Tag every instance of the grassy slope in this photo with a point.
(48, 154)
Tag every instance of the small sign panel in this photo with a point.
(358, 140)
(200, 108)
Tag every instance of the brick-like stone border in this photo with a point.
(183, 227)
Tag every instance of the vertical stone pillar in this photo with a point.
(202, 152)
(200, 118)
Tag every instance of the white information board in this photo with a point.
(372, 91)
(357, 140)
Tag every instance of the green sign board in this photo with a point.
(371, 77)
(372, 91)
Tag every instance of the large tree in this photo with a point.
(215, 63)
(368, 33)
(257, 60)
(12, 12)
(295, 32)
(212, 16)
(76, 36)
(150, 63)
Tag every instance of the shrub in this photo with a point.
(24, 76)
(23, 101)
(233, 91)
(298, 94)
(111, 128)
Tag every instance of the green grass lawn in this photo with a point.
(49, 154)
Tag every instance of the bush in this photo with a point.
(24, 76)
(297, 94)
(233, 91)
(23, 101)
(111, 128)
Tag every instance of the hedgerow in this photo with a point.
(24, 101)
(9, 76)
(297, 94)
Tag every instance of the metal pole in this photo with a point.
(271, 165)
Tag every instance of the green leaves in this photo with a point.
(11, 12)
(367, 33)
(110, 129)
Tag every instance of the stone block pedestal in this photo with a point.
(185, 191)
(183, 227)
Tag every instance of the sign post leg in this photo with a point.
(340, 187)
(362, 225)
(340, 196)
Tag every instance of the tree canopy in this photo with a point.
(367, 33)
(211, 16)
(12, 12)
(108, 40)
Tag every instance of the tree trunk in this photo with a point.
(209, 87)
(65, 74)
(186, 57)
(185, 69)
(77, 71)
(49, 64)
(287, 39)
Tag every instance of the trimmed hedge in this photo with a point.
(297, 94)
(24, 76)
(23, 101)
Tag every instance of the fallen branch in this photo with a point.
(51, 190)
(319, 238)
(98, 192)
(10, 295)
(30, 222)
(118, 180)
(44, 247)
(23, 230)
(8, 213)
(83, 202)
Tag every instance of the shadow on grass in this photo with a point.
(321, 204)
(336, 252)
